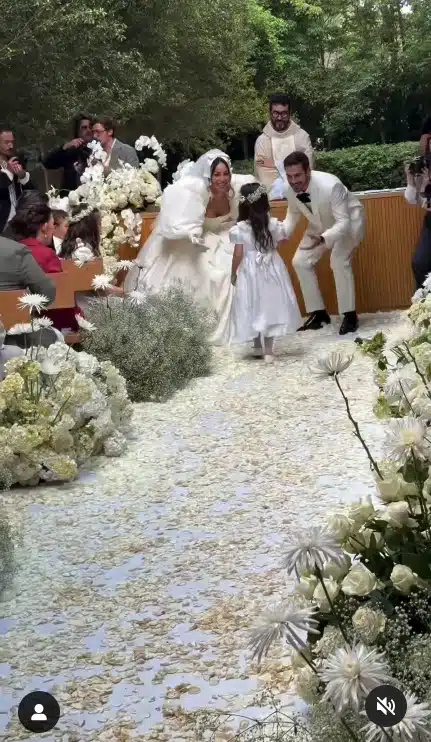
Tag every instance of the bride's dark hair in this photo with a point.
(219, 161)
(257, 214)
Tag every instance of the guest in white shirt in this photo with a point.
(13, 177)
(61, 225)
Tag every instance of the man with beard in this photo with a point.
(280, 137)
(72, 156)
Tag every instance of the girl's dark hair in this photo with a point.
(86, 229)
(59, 216)
(257, 214)
(30, 216)
(216, 162)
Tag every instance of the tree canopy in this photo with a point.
(199, 72)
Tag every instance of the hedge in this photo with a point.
(364, 168)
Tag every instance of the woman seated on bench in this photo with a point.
(82, 243)
(33, 226)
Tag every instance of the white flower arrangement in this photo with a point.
(366, 574)
(151, 143)
(58, 407)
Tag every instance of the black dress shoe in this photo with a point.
(316, 321)
(350, 323)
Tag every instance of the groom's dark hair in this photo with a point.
(279, 99)
(297, 158)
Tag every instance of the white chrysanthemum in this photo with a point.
(312, 548)
(101, 282)
(34, 302)
(124, 265)
(415, 726)
(399, 383)
(351, 674)
(283, 621)
(136, 298)
(42, 323)
(405, 436)
(427, 284)
(332, 364)
(84, 324)
(22, 328)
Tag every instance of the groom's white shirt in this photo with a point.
(335, 212)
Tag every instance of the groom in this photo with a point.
(335, 222)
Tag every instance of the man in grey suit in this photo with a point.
(118, 153)
(19, 270)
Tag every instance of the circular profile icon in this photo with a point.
(38, 712)
(386, 706)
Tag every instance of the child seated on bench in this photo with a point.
(82, 244)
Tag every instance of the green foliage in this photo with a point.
(364, 168)
(158, 345)
(7, 558)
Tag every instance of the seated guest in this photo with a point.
(61, 225)
(72, 156)
(82, 243)
(19, 270)
(13, 177)
(7, 351)
(117, 153)
(33, 225)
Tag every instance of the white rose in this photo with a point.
(403, 578)
(340, 526)
(306, 586)
(395, 489)
(360, 581)
(398, 514)
(337, 571)
(368, 624)
(297, 659)
(361, 511)
(361, 541)
(306, 684)
(332, 588)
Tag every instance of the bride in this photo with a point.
(190, 240)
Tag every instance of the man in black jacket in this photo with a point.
(14, 179)
(73, 155)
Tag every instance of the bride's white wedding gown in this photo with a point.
(205, 275)
(170, 256)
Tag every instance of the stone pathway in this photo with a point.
(138, 584)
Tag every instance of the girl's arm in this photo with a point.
(238, 254)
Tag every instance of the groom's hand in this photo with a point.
(316, 242)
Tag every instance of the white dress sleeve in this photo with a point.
(280, 231)
(183, 208)
(236, 235)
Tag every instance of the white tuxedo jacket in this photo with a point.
(336, 214)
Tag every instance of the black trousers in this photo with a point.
(421, 261)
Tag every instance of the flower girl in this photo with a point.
(264, 305)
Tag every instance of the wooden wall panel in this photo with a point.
(382, 263)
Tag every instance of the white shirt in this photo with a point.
(12, 194)
(108, 159)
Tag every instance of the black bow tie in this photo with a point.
(304, 198)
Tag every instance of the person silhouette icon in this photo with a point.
(38, 713)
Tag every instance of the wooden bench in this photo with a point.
(71, 281)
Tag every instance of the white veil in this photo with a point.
(202, 167)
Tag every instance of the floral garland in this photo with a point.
(57, 407)
(360, 616)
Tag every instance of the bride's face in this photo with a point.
(220, 181)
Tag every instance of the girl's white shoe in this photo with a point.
(268, 358)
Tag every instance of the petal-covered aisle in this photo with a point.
(138, 584)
